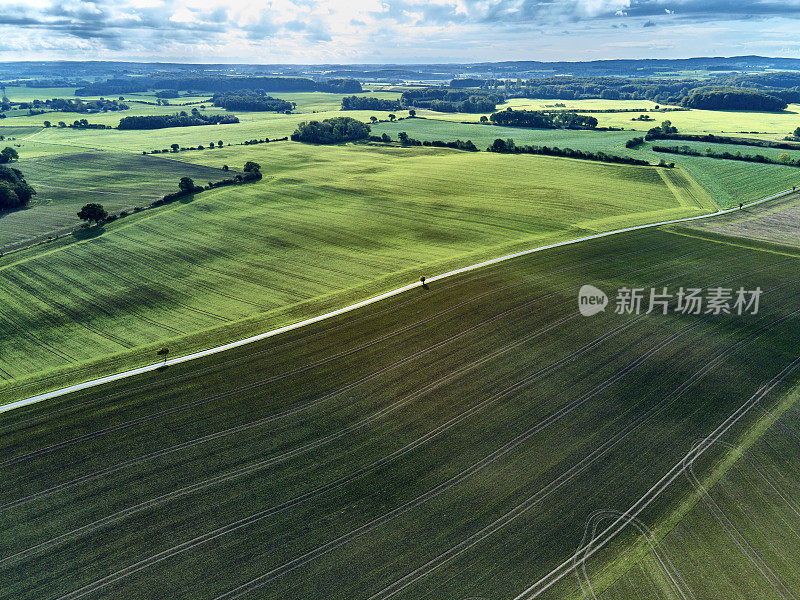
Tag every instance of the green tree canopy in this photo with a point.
(92, 212)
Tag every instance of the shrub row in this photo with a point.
(757, 158)
(509, 147)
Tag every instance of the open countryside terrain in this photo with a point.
(390, 214)
(474, 437)
(398, 451)
(65, 179)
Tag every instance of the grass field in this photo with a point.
(65, 182)
(325, 225)
(449, 443)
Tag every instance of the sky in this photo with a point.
(393, 31)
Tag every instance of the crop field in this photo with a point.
(728, 182)
(65, 182)
(326, 224)
(771, 125)
(742, 527)
(414, 448)
(777, 223)
(484, 135)
(776, 124)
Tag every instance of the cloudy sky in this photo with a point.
(352, 31)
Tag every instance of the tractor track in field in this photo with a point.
(738, 537)
(295, 371)
(544, 583)
(287, 567)
(670, 571)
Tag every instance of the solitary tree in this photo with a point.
(175, 147)
(224, 167)
(251, 166)
(186, 184)
(47, 123)
(163, 351)
(92, 212)
(392, 117)
(211, 145)
(412, 113)
(785, 158)
(220, 144)
(374, 119)
(484, 119)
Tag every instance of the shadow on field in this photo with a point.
(89, 232)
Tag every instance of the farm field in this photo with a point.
(201, 266)
(252, 125)
(777, 223)
(742, 526)
(451, 442)
(728, 182)
(66, 181)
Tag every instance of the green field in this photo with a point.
(414, 449)
(325, 226)
(728, 182)
(741, 525)
(66, 181)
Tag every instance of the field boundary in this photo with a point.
(286, 328)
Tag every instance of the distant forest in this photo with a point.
(128, 85)
(762, 91)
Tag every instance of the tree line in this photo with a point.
(733, 99)
(782, 85)
(721, 139)
(181, 119)
(218, 83)
(331, 131)
(446, 100)
(535, 119)
(783, 159)
(509, 147)
(251, 100)
(75, 106)
(369, 103)
(405, 140)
